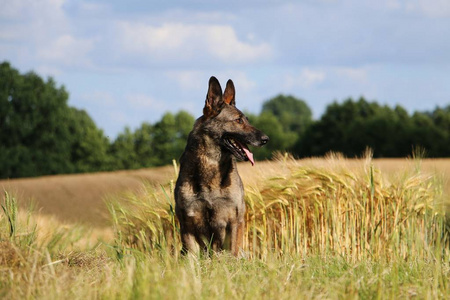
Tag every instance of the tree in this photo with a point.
(293, 114)
(143, 146)
(426, 135)
(352, 126)
(34, 125)
(152, 144)
(280, 140)
(123, 151)
(284, 119)
(89, 146)
(170, 136)
(40, 134)
(441, 120)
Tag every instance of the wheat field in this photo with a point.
(325, 228)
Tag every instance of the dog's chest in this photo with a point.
(225, 205)
(208, 186)
(213, 196)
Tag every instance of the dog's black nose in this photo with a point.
(264, 139)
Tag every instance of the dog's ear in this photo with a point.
(213, 102)
(229, 94)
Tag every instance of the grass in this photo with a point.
(313, 232)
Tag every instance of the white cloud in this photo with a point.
(67, 50)
(142, 101)
(184, 42)
(188, 80)
(119, 117)
(223, 43)
(198, 80)
(393, 4)
(31, 23)
(430, 8)
(354, 74)
(47, 33)
(240, 79)
(48, 70)
(21, 9)
(434, 8)
(93, 8)
(100, 98)
(306, 79)
(309, 78)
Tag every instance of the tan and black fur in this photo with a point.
(209, 195)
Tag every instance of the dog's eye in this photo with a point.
(240, 121)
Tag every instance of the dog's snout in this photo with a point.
(264, 139)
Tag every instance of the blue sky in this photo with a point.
(126, 62)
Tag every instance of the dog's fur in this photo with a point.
(209, 194)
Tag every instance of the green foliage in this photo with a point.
(143, 145)
(152, 144)
(293, 114)
(284, 119)
(170, 136)
(89, 146)
(280, 140)
(34, 133)
(123, 150)
(40, 133)
(353, 126)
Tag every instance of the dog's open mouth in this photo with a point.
(239, 149)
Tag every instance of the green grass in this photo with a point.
(313, 233)
(92, 275)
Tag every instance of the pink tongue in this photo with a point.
(249, 155)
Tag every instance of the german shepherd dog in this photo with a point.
(209, 195)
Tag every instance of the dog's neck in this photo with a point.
(215, 165)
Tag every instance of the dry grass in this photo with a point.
(79, 198)
(316, 229)
(356, 212)
(10, 255)
(350, 212)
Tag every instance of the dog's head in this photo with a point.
(227, 125)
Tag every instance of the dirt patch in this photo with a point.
(81, 197)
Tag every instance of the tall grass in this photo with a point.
(354, 214)
(145, 221)
(327, 231)
(31, 254)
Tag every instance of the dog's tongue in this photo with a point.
(247, 152)
(249, 155)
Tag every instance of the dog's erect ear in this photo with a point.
(229, 94)
(213, 102)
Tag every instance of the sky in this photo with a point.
(129, 62)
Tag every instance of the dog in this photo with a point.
(209, 194)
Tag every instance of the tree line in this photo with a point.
(41, 134)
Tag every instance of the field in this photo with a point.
(327, 228)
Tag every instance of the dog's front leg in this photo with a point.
(236, 237)
(218, 237)
(188, 241)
